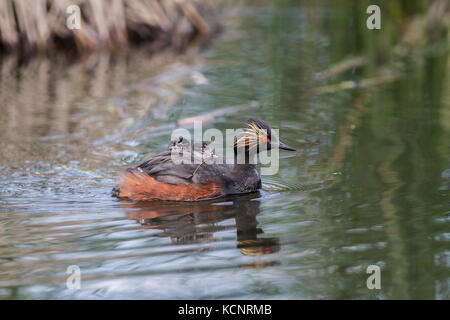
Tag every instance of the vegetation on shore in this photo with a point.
(40, 25)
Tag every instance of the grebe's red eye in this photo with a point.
(265, 139)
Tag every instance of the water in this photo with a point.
(367, 186)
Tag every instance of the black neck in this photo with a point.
(243, 153)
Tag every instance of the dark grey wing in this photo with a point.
(163, 169)
(158, 159)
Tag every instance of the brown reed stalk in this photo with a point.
(41, 24)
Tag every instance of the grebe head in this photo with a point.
(259, 136)
(179, 145)
(205, 149)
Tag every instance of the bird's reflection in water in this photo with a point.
(196, 222)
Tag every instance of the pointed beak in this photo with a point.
(285, 147)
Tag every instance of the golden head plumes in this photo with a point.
(251, 137)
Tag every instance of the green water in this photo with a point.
(368, 184)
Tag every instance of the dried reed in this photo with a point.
(40, 25)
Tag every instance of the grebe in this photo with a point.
(159, 178)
